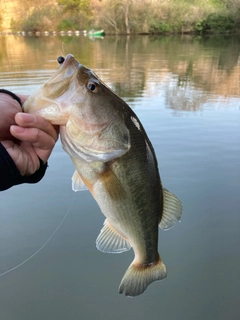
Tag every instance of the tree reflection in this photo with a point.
(189, 69)
(184, 98)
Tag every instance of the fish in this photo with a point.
(116, 162)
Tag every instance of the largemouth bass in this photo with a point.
(115, 160)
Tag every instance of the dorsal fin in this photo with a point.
(172, 210)
(110, 241)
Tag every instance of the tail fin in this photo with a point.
(138, 277)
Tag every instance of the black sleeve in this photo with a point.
(10, 175)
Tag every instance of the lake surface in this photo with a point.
(185, 90)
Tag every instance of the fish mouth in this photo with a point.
(59, 83)
(66, 71)
(69, 61)
(45, 101)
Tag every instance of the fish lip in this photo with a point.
(69, 61)
(65, 73)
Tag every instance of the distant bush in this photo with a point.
(214, 23)
(74, 22)
(40, 19)
(66, 25)
(159, 27)
(33, 22)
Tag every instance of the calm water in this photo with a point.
(186, 92)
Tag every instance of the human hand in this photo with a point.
(8, 109)
(26, 137)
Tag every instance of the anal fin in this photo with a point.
(172, 210)
(110, 241)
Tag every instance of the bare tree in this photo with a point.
(111, 14)
(125, 8)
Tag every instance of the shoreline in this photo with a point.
(85, 33)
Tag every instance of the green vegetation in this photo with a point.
(131, 16)
(76, 14)
(216, 24)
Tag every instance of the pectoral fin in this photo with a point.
(172, 210)
(77, 183)
(110, 241)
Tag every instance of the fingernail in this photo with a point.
(26, 117)
(17, 129)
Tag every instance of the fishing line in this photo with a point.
(65, 49)
(45, 243)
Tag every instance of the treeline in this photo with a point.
(130, 16)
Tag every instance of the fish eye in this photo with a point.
(93, 86)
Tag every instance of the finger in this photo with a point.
(34, 121)
(40, 141)
(35, 136)
(26, 162)
(8, 108)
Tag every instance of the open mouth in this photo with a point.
(68, 67)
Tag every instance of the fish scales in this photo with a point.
(139, 190)
(115, 160)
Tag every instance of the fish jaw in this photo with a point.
(46, 108)
(55, 99)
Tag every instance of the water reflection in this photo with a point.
(134, 66)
